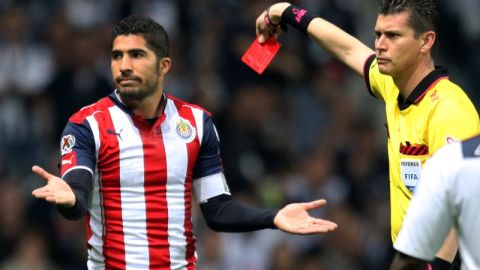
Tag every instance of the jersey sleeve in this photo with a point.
(429, 217)
(77, 148)
(452, 120)
(374, 80)
(209, 180)
(209, 160)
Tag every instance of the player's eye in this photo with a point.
(137, 54)
(116, 55)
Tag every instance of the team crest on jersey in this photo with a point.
(185, 130)
(67, 143)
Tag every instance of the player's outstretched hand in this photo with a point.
(56, 190)
(294, 218)
(268, 23)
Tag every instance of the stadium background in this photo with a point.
(306, 129)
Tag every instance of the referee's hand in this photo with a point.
(272, 16)
(56, 191)
(294, 218)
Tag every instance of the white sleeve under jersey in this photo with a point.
(429, 217)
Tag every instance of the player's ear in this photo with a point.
(428, 39)
(164, 65)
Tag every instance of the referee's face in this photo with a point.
(136, 70)
(398, 49)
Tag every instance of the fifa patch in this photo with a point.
(185, 130)
(67, 143)
(410, 171)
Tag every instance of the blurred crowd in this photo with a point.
(305, 129)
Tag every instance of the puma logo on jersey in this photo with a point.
(68, 161)
(119, 135)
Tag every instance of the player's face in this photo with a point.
(136, 70)
(397, 48)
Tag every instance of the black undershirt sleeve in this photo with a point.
(223, 214)
(81, 183)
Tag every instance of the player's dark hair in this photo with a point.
(154, 34)
(423, 13)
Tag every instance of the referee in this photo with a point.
(424, 109)
(448, 195)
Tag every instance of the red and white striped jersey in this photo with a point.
(139, 213)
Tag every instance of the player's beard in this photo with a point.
(137, 93)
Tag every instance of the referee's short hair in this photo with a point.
(423, 13)
(154, 34)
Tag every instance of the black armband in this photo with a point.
(440, 264)
(297, 17)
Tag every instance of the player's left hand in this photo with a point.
(294, 218)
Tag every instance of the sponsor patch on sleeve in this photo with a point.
(66, 144)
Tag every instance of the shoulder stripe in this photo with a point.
(178, 102)
(199, 122)
(95, 131)
(100, 106)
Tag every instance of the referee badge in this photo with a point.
(185, 130)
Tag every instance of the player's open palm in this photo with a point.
(294, 218)
(56, 190)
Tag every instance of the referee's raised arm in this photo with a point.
(402, 73)
(343, 46)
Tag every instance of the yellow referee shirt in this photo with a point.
(436, 112)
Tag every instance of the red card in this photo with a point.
(258, 56)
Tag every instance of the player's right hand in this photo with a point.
(56, 190)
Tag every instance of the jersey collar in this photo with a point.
(422, 88)
(116, 98)
(118, 101)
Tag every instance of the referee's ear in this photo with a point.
(428, 40)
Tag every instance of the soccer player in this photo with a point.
(424, 109)
(448, 195)
(131, 160)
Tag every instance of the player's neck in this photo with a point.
(150, 107)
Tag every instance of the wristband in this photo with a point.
(267, 20)
(440, 264)
(297, 17)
